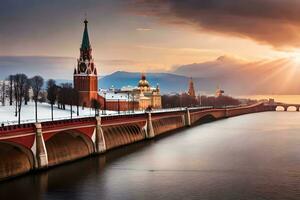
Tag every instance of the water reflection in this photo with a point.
(248, 157)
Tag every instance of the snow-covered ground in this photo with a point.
(7, 113)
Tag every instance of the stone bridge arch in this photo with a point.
(15, 159)
(287, 108)
(291, 108)
(68, 145)
(205, 118)
(280, 108)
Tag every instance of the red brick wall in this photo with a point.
(124, 105)
(87, 87)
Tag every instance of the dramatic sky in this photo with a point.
(146, 35)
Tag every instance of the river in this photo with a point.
(250, 157)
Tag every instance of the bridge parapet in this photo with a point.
(17, 128)
(123, 119)
(68, 122)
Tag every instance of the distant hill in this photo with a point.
(275, 76)
(168, 82)
(45, 66)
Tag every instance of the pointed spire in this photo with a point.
(143, 76)
(191, 90)
(85, 45)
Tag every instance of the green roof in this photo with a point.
(85, 39)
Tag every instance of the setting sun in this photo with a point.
(296, 58)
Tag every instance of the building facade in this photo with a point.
(148, 96)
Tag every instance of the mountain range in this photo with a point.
(235, 76)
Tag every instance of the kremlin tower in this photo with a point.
(85, 74)
(191, 91)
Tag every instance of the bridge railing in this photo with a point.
(69, 121)
(115, 116)
(13, 128)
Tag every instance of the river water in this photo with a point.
(255, 157)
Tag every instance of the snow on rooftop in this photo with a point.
(115, 96)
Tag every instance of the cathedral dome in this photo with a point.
(143, 82)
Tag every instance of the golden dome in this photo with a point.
(143, 82)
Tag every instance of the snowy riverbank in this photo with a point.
(7, 113)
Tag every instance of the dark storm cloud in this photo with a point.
(275, 22)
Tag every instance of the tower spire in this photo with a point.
(85, 49)
(85, 45)
(191, 91)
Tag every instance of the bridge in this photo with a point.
(34, 146)
(286, 106)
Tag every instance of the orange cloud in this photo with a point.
(273, 22)
(143, 29)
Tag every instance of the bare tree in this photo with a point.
(3, 92)
(75, 98)
(11, 82)
(20, 82)
(52, 94)
(96, 105)
(15, 94)
(64, 95)
(43, 96)
(26, 92)
(37, 83)
(69, 96)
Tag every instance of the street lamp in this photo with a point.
(180, 103)
(118, 106)
(200, 100)
(128, 102)
(132, 102)
(105, 103)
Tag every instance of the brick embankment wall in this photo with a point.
(13, 161)
(164, 125)
(64, 147)
(119, 135)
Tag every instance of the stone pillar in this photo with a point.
(41, 155)
(100, 140)
(149, 131)
(187, 117)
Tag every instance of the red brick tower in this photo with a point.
(85, 74)
(191, 91)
